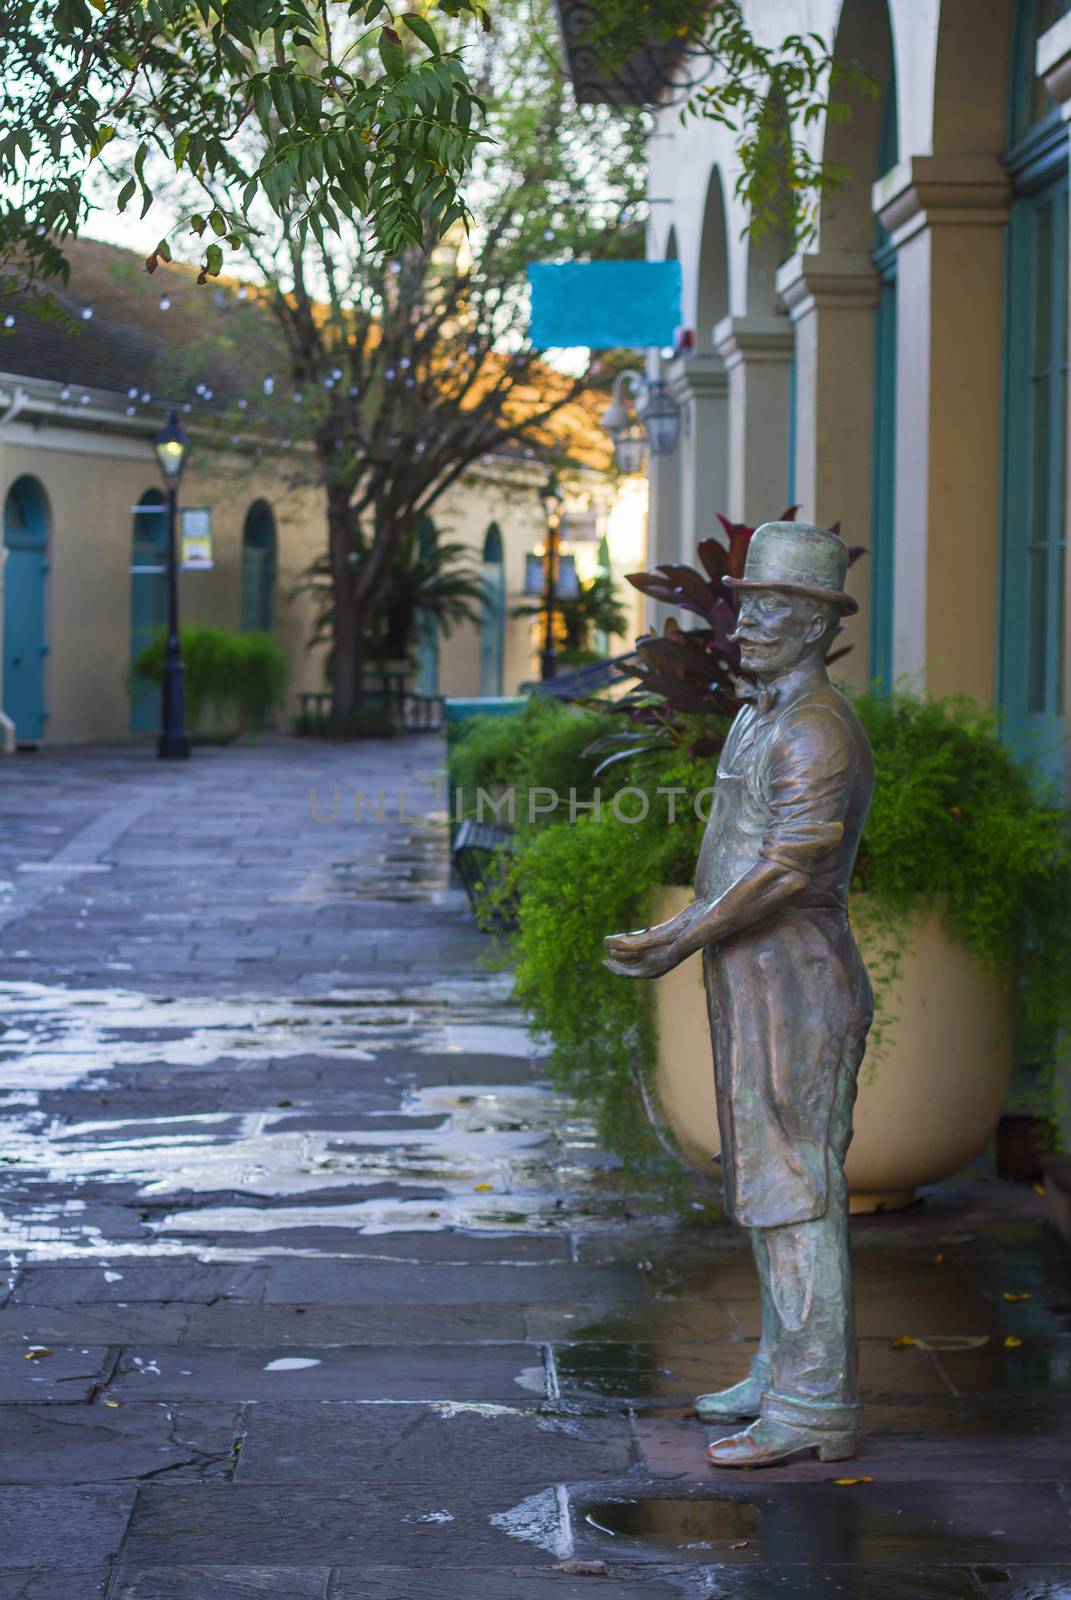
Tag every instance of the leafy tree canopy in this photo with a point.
(313, 109)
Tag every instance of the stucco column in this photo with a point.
(757, 352)
(831, 299)
(700, 387)
(1054, 66)
(946, 216)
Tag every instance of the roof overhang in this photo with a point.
(640, 81)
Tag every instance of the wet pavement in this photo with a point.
(311, 1288)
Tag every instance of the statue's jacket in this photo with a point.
(789, 998)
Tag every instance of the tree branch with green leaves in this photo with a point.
(316, 112)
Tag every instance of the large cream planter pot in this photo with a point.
(927, 1104)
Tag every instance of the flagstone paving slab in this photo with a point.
(61, 1584)
(349, 1442)
(107, 1444)
(35, 1372)
(224, 1583)
(47, 1527)
(228, 1323)
(266, 1523)
(402, 1283)
(131, 1281)
(491, 1583)
(331, 1372)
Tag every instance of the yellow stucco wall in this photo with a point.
(94, 476)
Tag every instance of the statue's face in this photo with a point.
(776, 631)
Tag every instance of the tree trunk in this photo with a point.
(347, 643)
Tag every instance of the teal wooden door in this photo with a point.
(258, 569)
(25, 578)
(493, 618)
(883, 448)
(1030, 654)
(883, 474)
(426, 627)
(148, 601)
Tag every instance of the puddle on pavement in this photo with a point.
(616, 1371)
(508, 1157)
(675, 1524)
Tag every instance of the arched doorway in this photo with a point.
(25, 577)
(426, 631)
(148, 601)
(1030, 661)
(258, 569)
(493, 619)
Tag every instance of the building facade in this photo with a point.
(84, 529)
(906, 374)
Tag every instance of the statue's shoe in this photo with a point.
(767, 1442)
(731, 1405)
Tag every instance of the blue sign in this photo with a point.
(604, 305)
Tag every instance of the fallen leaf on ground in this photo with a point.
(938, 1258)
(847, 1483)
(741, 1544)
(38, 1353)
(1011, 1342)
(903, 1341)
(939, 1342)
(1014, 1298)
(113, 1405)
(1039, 1188)
(484, 1188)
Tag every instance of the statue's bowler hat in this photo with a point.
(800, 559)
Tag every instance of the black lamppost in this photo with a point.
(172, 446)
(551, 496)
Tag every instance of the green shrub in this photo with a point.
(544, 747)
(238, 679)
(955, 819)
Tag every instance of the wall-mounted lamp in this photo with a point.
(653, 424)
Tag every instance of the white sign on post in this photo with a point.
(195, 539)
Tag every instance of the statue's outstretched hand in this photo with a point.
(650, 953)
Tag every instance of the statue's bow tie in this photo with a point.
(763, 698)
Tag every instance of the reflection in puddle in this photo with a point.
(506, 1157)
(676, 1524)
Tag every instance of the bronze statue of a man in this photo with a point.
(788, 994)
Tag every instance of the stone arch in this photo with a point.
(864, 143)
(970, 77)
(712, 296)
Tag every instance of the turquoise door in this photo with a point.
(493, 619)
(883, 474)
(426, 628)
(1031, 634)
(148, 601)
(25, 576)
(883, 457)
(258, 569)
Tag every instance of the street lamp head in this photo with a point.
(172, 446)
(630, 448)
(551, 495)
(661, 419)
(615, 419)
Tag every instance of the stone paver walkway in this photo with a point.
(313, 1290)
